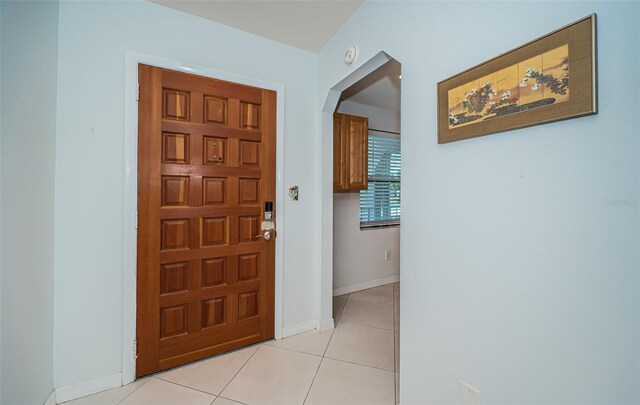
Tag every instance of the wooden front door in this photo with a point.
(206, 165)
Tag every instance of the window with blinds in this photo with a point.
(380, 202)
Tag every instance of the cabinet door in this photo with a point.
(339, 152)
(357, 134)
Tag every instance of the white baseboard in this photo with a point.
(64, 394)
(306, 326)
(365, 285)
(327, 324)
(299, 328)
(52, 399)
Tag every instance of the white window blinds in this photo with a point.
(380, 202)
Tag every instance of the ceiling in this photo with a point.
(379, 89)
(305, 24)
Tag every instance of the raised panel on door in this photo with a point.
(357, 137)
(206, 153)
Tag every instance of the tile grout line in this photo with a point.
(325, 350)
(204, 392)
(342, 310)
(393, 304)
(184, 386)
(296, 351)
(324, 356)
(313, 380)
(365, 326)
(369, 326)
(366, 365)
(158, 376)
(328, 343)
(376, 302)
(131, 393)
(324, 353)
(236, 374)
(334, 327)
(229, 399)
(373, 302)
(359, 364)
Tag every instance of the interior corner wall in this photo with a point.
(520, 261)
(359, 255)
(29, 43)
(0, 203)
(90, 164)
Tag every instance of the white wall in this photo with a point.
(29, 70)
(0, 202)
(89, 165)
(520, 261)
(358, 255)
(379, 118)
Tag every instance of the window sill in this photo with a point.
(380, 226)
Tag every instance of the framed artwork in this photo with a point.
(549, 79)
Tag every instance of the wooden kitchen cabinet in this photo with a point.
(350, 138)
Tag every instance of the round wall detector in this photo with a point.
(351, 54)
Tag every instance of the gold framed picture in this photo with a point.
(548, 79)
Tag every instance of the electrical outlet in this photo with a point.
(469, 395)
(387, 255)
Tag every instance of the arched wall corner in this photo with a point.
(326, 183)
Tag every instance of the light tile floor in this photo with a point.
(355, 363)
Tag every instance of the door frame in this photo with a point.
(132, 59)
(325, 148)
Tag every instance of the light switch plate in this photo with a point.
(469, 395)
